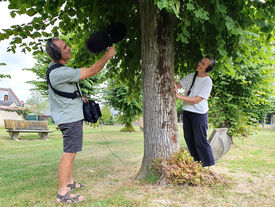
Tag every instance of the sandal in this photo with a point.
(68, 199)
(73, 186)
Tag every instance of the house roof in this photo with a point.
(5, 103)
(11, 91)
(12, 104)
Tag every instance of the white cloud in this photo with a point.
(15, 62)
(7, 20)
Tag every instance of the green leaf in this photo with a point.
(31, 12)
(13, 5)
(35, 53)
(221, 8)
(17, 40)
(222, 52)
(229, 23)
(267, 28)
(190, 7)
(186, 33)
(201, 14)
(162, 4)
(36, 34)
(3, 36)
(45, 34)
(22, 10)
(12, 14)
(55, 29)
(182, 39)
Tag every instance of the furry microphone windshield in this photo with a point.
(101, 40)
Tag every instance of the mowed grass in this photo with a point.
(28, 171)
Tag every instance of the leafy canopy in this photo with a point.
(239, 34)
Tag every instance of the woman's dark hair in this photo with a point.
(213, 63)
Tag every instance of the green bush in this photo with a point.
(181, 169)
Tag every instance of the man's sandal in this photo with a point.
(73, 186)
(68, 199)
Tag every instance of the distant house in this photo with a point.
(9, 103)
(9, 99)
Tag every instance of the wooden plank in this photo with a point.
(34, 131)
(22, 124)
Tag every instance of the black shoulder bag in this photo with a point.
(91, 109)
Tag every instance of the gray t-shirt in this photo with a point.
(202, 87)
(65, 110)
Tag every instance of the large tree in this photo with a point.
(159, 110)
(172, 36)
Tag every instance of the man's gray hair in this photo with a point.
(51, 48)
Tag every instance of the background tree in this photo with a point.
(106, 115)
(38, 104)
(173, 36)
(130, 107)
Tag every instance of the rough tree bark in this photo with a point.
(159, 110)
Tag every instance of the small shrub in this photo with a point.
(181, 169)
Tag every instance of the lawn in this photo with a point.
(28, 171)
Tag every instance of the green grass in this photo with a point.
(255, 154)
(28, 169)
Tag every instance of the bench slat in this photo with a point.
(34, 131)
(25, 125)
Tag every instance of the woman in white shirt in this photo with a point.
(197, 87)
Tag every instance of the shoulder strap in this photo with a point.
(61, 93)
(193, 81)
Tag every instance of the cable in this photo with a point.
(107, 144)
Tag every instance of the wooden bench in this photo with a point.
(14, 127)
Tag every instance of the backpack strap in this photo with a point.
(73, 95)
(193, 81)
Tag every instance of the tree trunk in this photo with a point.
(128, 128)
(159, 109)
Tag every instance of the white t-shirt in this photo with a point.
(202, 87)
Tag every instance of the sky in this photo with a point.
(15, 62)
